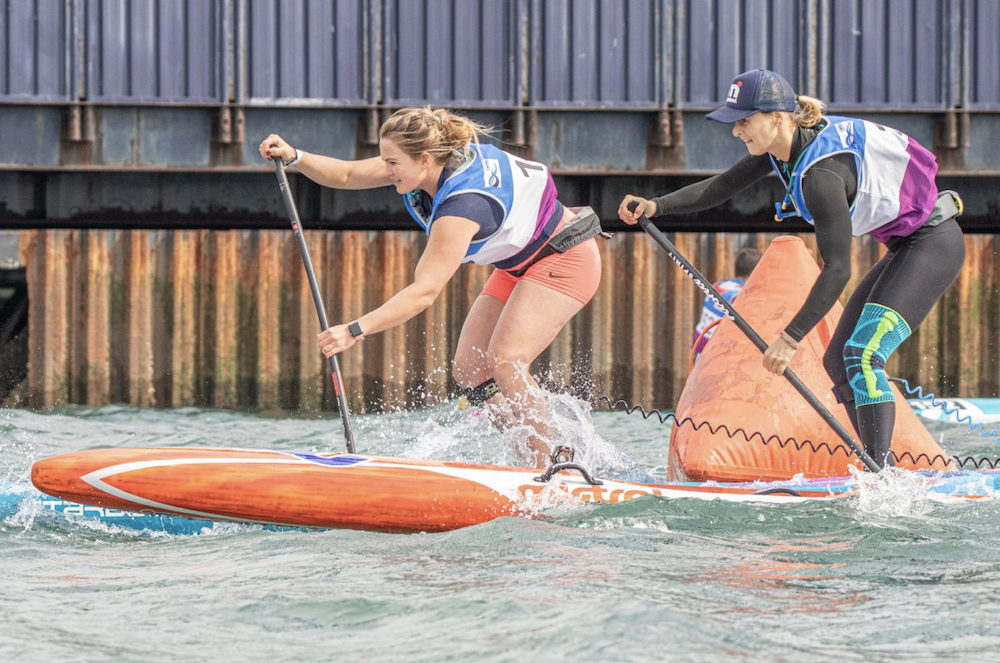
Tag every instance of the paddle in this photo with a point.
(706, 286)
(293, 216)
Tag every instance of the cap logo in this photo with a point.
(734, 92)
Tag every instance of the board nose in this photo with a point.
(61, 475)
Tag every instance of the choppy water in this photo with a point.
(888, 576)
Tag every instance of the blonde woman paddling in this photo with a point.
(478, 204)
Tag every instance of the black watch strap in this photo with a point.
(356, 330)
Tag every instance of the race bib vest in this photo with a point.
(896, 187)
(523, 189)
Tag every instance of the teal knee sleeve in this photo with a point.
(879, 331)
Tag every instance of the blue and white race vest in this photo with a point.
(523, 189)
(710, 311)
(896, 188)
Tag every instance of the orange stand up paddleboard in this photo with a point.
(730, 387)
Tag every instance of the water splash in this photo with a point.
(491, 434)
(553, 501)
(893, 492)
(574, 424)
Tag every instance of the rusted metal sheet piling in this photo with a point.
(171, 318)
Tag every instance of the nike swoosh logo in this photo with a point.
(556, 276)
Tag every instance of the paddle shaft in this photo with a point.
(293, 216)
(705, 286)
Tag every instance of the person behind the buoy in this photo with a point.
(478, 204)
(847, 177)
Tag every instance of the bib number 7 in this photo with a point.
(525, 166)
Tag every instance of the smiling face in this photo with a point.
(407, 173)
(758, 132)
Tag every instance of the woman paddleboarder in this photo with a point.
(847, 177)
(478, 204)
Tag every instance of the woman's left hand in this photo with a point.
(779, 354)
(335, 339)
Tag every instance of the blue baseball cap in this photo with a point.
(753, 91)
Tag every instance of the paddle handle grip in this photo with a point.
(293, 217)
(705, 286)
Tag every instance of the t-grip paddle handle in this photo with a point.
(705, 286)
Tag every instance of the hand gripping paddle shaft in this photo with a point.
(293, 216)
(705, 286)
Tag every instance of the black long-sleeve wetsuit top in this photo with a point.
(828, 187)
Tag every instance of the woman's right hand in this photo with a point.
(275, 146)
(646, 208)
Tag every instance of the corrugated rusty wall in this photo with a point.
(885, 53)
(983, 57)
(595, 53)
(442, 52)
(605, 86)
(312, 51)
(154, 52)
(225, 319)
(715, 38)
(917, 54)
(35, 63)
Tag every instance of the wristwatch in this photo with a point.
(356, 331)
(294, 162)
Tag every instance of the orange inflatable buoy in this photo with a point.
(730, 387)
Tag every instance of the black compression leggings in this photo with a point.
(909, 280)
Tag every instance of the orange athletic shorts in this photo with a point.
(576, 273)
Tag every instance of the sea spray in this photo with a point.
(893, 492)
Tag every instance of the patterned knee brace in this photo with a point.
(878, 333)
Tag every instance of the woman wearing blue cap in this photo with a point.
(846, 177)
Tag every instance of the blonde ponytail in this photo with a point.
(809, 111)
(445, 135)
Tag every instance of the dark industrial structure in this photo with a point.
(145, 115)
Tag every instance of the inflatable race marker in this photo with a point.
(729, 386)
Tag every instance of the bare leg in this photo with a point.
(529, 322)
(470, 366)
